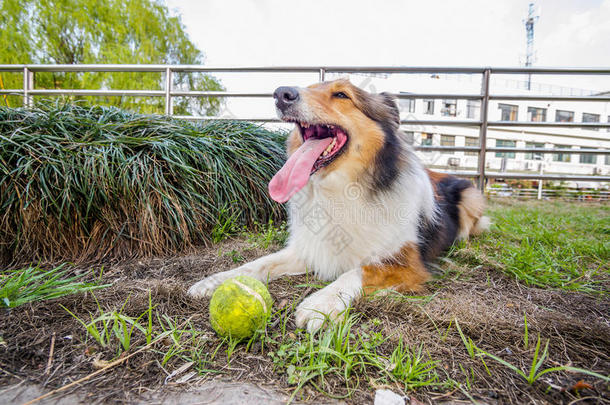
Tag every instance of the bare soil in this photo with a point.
(489, 306)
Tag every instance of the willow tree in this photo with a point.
(102, 31)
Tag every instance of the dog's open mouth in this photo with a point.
(322, 143)
(322, 131)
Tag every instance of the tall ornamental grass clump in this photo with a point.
(89, 183)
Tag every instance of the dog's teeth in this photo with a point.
(327, 150)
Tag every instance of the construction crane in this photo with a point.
(532, 17)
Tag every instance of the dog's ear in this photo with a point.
(390, 101)
(378, 107)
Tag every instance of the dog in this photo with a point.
(363, 211)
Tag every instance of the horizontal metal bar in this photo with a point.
(152, 68)
(548, 98)
(316, 69)
(217, 94)
(431, 122)
(438, 96)
(156, 93)
(403, 122)
(496, 175)
(551, 70)
(426, 148)
(441, 122)
(251, 69)
(79, 92)
(201, 118)
(551, 150)
(85, 68)
(461, 174)
(397, 95)
(430, 148)
(549, 124)
(547, 190)
(179, 93)
(403, 69)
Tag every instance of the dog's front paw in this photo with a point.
(207, 286)
(318, 307)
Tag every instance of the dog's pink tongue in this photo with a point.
(294, 174)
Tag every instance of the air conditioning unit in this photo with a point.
(529, 165)
(598, 170)
(453, 162)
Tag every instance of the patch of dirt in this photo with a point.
(209, 393)
(489, 307)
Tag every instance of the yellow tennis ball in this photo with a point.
(239, 307)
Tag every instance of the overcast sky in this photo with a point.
(389, 32)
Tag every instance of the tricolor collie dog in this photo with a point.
(363, 211)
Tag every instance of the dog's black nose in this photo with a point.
(285, 96)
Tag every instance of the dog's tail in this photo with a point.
(471, 208)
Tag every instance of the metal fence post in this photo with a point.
(169, 110)
(28, 84)
(322, 74)
(483, 128)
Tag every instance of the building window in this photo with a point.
(449, 108)
(561, 157)
(502, 143)
(508, 112)
(429, 107)
(409, 137)
(535, 114)
(473, 109)
(588, 158)
(448, 140)
(607, 160)
(533, 155)
(426, 139)
(408, 105)
(587, 117)
(564, 116)
(471, 141)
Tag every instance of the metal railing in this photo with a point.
(29, 90)
(549, 194)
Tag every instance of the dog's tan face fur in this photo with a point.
(353, 109)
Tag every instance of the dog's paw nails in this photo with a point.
(316, 309)
(310, 319)
(205, 287)
(315, 324)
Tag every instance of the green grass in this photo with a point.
(18, 287)
(352, 354)
(535, 369)
(86, 183)
(546, 244)
(266, 234)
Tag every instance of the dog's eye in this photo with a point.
(340, 94)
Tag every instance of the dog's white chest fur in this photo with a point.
(335, 226)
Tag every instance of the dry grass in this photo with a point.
(488, 302)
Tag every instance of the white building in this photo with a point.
(509, 110)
